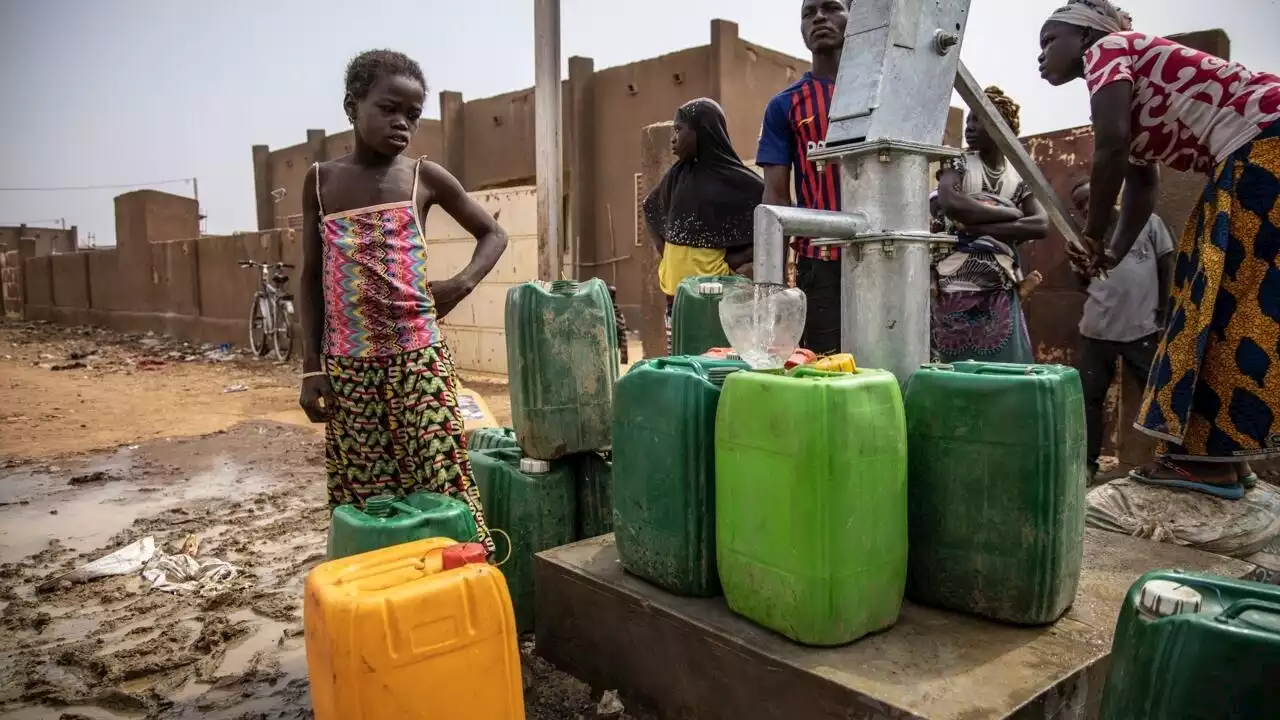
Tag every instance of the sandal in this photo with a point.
(1187, 481)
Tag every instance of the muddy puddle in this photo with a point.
(113, 648)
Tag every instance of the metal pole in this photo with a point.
(884, 308)
(550, 176)
(976, 98)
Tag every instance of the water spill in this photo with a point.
(268, 636)
(88, 515)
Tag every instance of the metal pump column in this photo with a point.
(888, 118)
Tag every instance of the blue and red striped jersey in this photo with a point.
(794, 118)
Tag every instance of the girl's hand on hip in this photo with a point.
(448, 293)
(317, 398)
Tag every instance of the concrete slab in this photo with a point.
(693, 658)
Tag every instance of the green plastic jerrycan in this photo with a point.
(594, 476)
(664, 424)
(1195, 647)
(535, 503)
(490, 438)
(997, 486)
(695, 315)
(562, 359)
(386, 521)
(811, 501)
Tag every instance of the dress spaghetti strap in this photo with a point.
(413, 196)
(319, 202)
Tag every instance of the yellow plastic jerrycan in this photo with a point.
(835, 363)
(419, 630)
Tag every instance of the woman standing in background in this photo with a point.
(701, 214)
(977, 310)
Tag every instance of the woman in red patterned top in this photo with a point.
(1213, 396)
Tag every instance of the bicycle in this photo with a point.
(272, 311)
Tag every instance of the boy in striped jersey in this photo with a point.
(794, 118)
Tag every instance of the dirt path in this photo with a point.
(145, 441)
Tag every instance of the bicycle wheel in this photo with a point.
(257, 327)
(282, 338)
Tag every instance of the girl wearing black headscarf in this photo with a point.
(700, 215)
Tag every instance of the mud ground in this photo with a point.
(106, 439)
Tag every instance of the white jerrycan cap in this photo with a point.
(1163, 598)
(711, 288)
(531, 466)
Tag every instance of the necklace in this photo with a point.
(993, 178)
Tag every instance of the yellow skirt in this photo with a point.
(681, 261)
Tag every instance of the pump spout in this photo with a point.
(773, 223)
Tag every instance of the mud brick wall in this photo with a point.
(70, 282)
(38, 276)
(11, 283)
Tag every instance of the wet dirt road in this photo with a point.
(95, 458)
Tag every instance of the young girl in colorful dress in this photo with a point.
(376, 368)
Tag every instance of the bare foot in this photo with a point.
(1243, 470)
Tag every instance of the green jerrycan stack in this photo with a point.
(1195, 647)
(533, 502)
(664, 424)
(695, 315)
(811, 501)
(492, 438)
(386, 521)
(562, 358)
(997, 486)
(594, 476)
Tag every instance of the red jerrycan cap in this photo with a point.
(455, 556)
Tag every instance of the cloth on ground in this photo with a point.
(1236, 528)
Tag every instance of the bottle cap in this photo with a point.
(711, 288)
(1163, 598)
(530, 466)
(456, 556)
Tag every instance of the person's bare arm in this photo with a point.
(1033, 225)
(777, 185)
(317, 394)
(491, 239)
(1111, 141)
(965, 210)
(1141, 190)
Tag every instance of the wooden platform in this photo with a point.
(688, 658)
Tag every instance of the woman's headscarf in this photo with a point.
(1098, 15)
(706, 201)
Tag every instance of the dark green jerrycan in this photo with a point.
(562, 358)
(664, 471)
(535, 503)
(996, 489)
(1195, 647)
(594, 476)
(491, 438)
(386, 521)
(695, 314)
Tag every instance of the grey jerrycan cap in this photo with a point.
(1163, 598)
(530, 466)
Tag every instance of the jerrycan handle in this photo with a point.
(564, 287)
(1243, 606)
(1008, 370)
(803, 371)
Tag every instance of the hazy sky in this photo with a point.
(128, 91)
